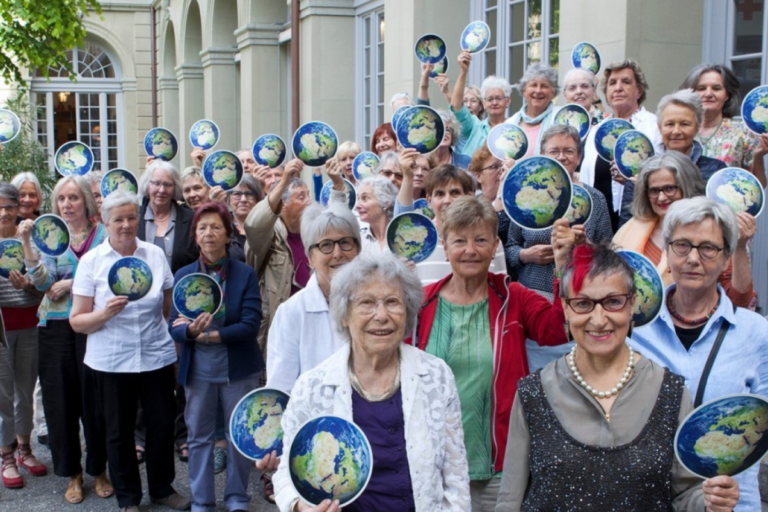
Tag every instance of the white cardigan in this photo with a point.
(301, 336)
(434, 437)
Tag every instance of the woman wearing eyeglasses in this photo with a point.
(663, 180)
(241, 200)
(597, 426)
(699, 237)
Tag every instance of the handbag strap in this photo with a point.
(711, 361)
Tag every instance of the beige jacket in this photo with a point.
(265, 229)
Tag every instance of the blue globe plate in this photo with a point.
(11, 257)
(536, 192)
(576, 116)
(269, 150)
(649, 288)
(204, 134)
(255, 423)
(397, 114)
(10, 125)
(130, 277)
(581, 206)
(422, 206)
(364, 165)
(738, 189)
(725, 436)
(440, 68)
(754, 110)
(430, 49)
(161, 143)
(507, 141)
(632, 149)
(606, 135)
(314, 143)
(585, 56)
(325, 194)
(197, 293)
(475, 37)
(223, 169)
(330, 459)
(73, 159)
(119, 180)
(412, 236)
(50, 235)
(421, 128)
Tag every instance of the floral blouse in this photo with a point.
(732, 143)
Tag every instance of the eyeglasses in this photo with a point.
(346, 244)
(239, 195)
(611, 303)
(160, 184)
(706, 250)
(495, 99)
(494, 167)
(368, 305)
(8, 207)
(668, 190)
(555, 152)
(388, 174)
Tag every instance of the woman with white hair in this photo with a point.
(698, 322)
(446, 152)
(539, 88)
(375, 205)
(68, 385)
(580, 87)
(30, 194)
(496, 97)
(389, 167)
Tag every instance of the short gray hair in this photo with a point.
(561, 129)
(253, 185)
(85, 191)
(684, 98)
(93, 177)
(452, 125)
(316, 221)
(698, 209)
(536, 72)
(386, 157)
(495, 82)
(360, 272)
(687, 175)
(294, 184)
(116, 200)
(401, 96)
(193, 172)
(384, 191)
(149, 172)
(602, 261)
(578, 71)
(24, 177)
(9, 192)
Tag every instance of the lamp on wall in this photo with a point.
(381, 29)
(63, 97)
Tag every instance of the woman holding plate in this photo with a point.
(404, 400)
(19, 358)
(571, 443)
(69, 393)
(580, 87)
(30, 195)
(699, 238)
(539, 88)
(131, 355)
(220, 361)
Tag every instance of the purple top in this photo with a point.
(301, 270)
(390, 484)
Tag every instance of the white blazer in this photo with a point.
(434, 437)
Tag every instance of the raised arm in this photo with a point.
(457, 99)
(407, 160)
(423, 96)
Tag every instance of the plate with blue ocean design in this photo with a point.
(130, 277)
(197, 293)
(161, 143)
(412, 236)
(73, 159)
(325, 194)
(50, 235)
(475, 37)
(119, 180)
(204, 134)
(255, 423)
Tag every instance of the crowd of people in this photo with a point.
(502, 373)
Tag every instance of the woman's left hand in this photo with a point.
(59, 289)
(762, 147)
(616, 175)
(199, 325)
(268, 463)
(563, 240)
(19, 281)
(720, 494)
(218, 194)
(747, 228)
(181, 321)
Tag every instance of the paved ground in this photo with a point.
(46, 494)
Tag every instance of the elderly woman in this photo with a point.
(580, 87)
(389, 167)
(246, 158)
(604, 415)
(345, 156)
(404, 400)
(496, 97)
(93, 179)
(383, 139)
(663, 180)
(473, 100)
(194, 190)
(18, 357)
(679, 114)
(303, 333)
(131, 361)
(242, 199)
(539, 88)
(477, 322)
(446, 152)
(720, 135)
(220, 361)
(375, 206)
(699, 237)
(625, 89)
(68, 385)
(30, 195)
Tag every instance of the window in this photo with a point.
(523, 32)
(370, 72)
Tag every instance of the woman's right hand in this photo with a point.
(25, 229)
(407, 161)
(199, 325)
(720, 493)
(198, 157)
(59, 289)
(324, 506)
(114, 306)
(465, 58)
(293, 170)
(268, 463)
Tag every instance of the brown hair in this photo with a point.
(444, 174)
(636, 70)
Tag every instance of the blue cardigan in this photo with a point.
(241, 323)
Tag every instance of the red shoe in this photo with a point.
(9, 463)
(25, 453)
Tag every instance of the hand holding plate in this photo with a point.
(747, 228)
(616, 175)
(199, 325)
(198, 157)
(293, 170)
(268, 463)
(217, 194)
(149, 161)
(465, 58)
(333, 170)
(720, 493)
(443, 82)
(260, 172)
(762, 146)
(114, 305)
(25, 229)
(325, 506)
(563, 241)
(407, 161)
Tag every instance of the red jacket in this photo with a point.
(516, 313)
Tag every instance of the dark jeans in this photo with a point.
(121, 393)
(179, 427)
(69, 397)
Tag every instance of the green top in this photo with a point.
(461, 336)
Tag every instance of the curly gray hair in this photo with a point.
(495, 82)
(384, 191)
(538, 71)
(452, 125)
(316, 221)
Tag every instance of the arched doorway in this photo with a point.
(89, 110)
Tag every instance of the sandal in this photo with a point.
(74, 492)
(12, 482)
(24, 455)
(140, 458)
(269, 488)
(104, 487)
(183, 452)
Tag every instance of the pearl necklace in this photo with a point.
(594, 392)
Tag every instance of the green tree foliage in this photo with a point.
(25, 153)
(36, 34)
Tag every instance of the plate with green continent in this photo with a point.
(738, 189)
(10, 125)
(632, 149)
(195, 294)
(330, 458)
(269, 150)
(119, 180)
(223, 169)
(754, 110)
(536, 192)
(649, 288)
(50, 235)
(161, 143)
(421, 128)
(314, 143)
(585, 56)
(430, 49)
(73, 159)
(204, 134)
(130, 277)
(11, 257)
(255, 425)
(725, 436)
(412, 236)
(581, 206)
(606, 135)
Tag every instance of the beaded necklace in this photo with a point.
(696, 321)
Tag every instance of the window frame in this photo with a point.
(374, 13)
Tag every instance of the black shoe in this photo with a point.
(14, 445)
(43, 440)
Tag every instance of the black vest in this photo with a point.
(569, 475)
